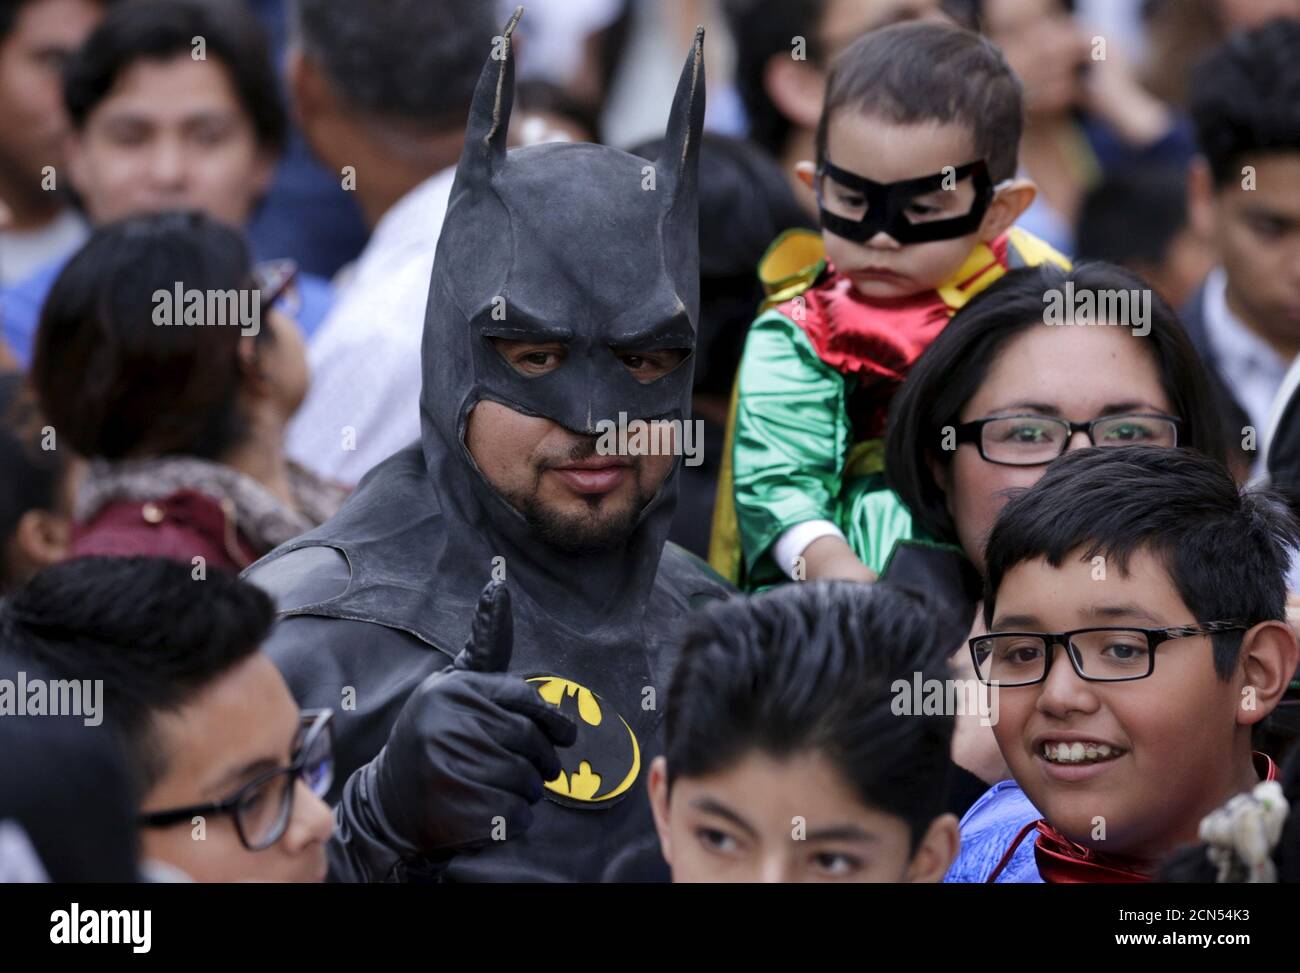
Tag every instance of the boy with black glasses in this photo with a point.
(229, 774)
(1135, 604)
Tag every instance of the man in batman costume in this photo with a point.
(446, 755)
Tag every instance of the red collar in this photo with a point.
(1062, 861)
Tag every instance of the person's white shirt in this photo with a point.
(364, 400)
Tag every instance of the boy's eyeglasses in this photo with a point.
(262, 807)
(277, 280)
(1097, 654)
(1032, 440)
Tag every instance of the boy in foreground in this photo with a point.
(785, 761)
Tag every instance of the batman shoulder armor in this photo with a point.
(689, 580)
(302, 577)
(299, 579)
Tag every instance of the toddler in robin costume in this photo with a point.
(916, 183)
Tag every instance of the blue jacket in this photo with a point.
(987, 831)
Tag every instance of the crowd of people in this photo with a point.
(419, 461)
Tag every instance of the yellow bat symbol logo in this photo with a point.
(609, 755)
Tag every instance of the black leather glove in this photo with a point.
(468, 754)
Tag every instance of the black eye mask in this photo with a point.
(887, 204)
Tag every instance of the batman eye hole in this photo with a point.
(530, 358)
(649, 366)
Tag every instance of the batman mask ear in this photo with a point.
(489, 114)
(678, 160)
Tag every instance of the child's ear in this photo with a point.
(936, 851)
(42, 537)
(806, 173)
(657, 784)
(1267, 664)
(1008, 203)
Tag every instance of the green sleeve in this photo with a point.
(875, 521)
(791, 435)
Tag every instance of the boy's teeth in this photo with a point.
(1078, 752)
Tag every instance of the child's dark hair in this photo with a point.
(1107, 228)
(810, 667)
(1192, 864)
(1225, 549)
(955, 365)
(116, 384)
(1245, 98)
(154, 635)
(919, 72)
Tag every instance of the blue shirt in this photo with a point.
(20, 307)
(987, 831)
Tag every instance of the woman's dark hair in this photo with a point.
(114, 383)
(30, 477)
(761, 30)
(812, 667)
(954, 367)
(1192, 863)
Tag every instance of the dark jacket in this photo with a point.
(1233, 415)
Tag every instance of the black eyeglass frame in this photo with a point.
(314, 722)
(973, 431)
(1155, 638)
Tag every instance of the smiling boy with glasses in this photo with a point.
(228, 773)
(1135, 601)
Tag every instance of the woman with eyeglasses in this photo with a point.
(174, 365)
(996, 398)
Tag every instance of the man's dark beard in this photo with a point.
(572, 535)
(567, 535)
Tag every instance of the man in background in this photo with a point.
(36, 39)
(381, 91)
